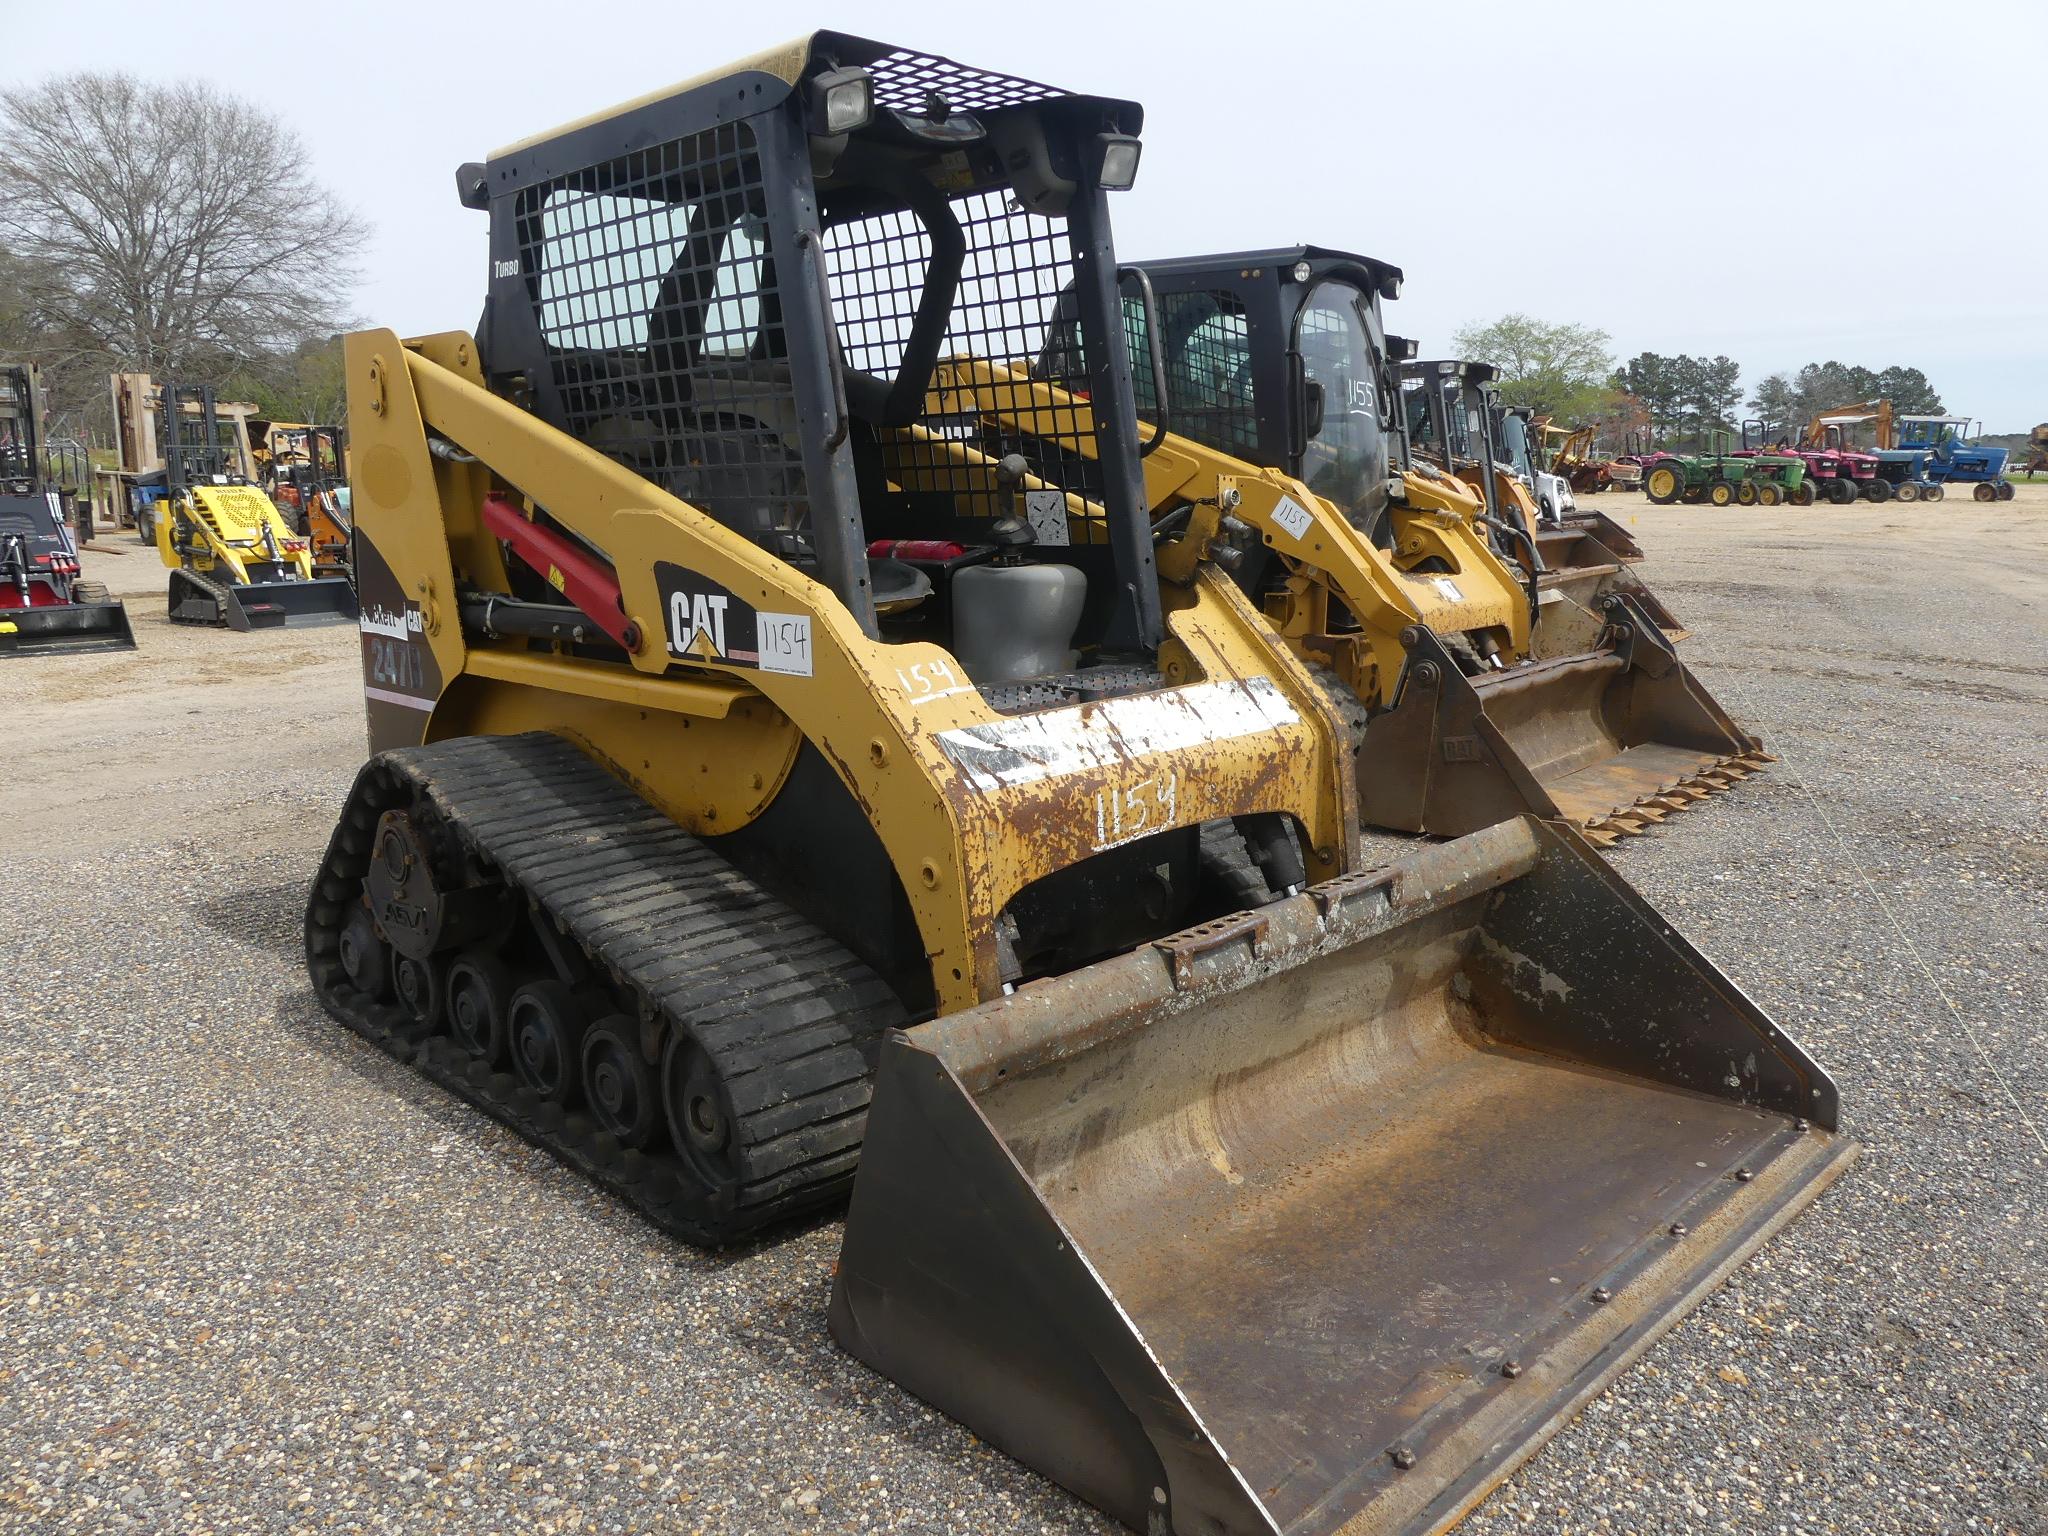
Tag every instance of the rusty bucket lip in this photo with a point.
(1447, 1484)
(995, 1038)
(989, 1041)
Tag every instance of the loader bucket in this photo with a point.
(251, 605)
(1585, 585)
(65, 628)
(1613, 740)
(1323, 1218)
(1586, 538)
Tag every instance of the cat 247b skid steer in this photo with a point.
(759, 794)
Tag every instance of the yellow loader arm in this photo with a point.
(1347, 600)
(1614, 733)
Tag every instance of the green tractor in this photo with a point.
(1722, 477)
(1778, 473)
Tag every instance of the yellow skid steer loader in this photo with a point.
(1473, 688)
(757, 776)
(233, 559)
(1457, 421)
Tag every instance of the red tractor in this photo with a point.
(1831, 474)
(1866, 474)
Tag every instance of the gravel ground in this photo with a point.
(254, 1277)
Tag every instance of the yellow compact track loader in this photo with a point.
(763, 769)
(1527, 451)
(234, 560)
(1476, 684)
(1456, 420)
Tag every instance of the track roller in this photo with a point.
(618, 1084)
(480, 1005)
(422, 988)
(365, 958)
(546, 1025)
(698, 1114)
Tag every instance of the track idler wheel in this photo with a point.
(365, 958)
(546, 1024)
(618, 1084)
(479, 1004)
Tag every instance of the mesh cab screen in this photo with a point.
(998, 385)
(658, 284)
(1206, 340)
(656, 297)
(906, 81)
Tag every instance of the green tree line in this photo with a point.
(1567, 372)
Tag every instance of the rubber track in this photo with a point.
(1227, 861)
(789, 1017)
(211, 588)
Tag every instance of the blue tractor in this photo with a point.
(1951, 458)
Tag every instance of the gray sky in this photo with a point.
(1770, 181)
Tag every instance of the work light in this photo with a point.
(1116, 161)
(842, 100)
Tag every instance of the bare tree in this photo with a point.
(166, 227)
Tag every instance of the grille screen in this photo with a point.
(997, 385)
(906, 81)
(657, 298)
(1209, 373)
